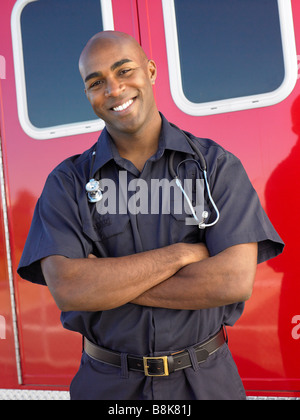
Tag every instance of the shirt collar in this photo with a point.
(104, 152)
(171, 138)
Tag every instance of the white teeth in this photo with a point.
(124, 106)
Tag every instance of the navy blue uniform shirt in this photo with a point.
(65, 223)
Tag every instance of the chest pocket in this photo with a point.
(183, 228)
(110, 235)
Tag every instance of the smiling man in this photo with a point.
(118, 83)
(149, 293)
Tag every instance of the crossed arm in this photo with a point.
(180, 276)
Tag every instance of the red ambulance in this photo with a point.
(244, 53)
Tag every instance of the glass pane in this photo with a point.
(229, 49)
(54, 32)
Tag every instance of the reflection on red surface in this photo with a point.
(283, 201)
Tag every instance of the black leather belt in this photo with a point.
(157, 366)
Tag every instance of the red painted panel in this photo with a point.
(8, 375)
(265, 342)
(50, 355)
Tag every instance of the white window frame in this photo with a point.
(235, 104)
(28, 127)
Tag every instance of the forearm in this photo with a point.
(103, 284)
(221, 280)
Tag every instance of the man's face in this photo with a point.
(118, 82)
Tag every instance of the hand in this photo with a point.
(92, 256)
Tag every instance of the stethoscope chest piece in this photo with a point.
(94, 191)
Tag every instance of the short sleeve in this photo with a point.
(56, 228)
(242, 217)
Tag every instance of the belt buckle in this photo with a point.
(165, 365)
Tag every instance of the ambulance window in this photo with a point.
(48, 37)
(229, 55)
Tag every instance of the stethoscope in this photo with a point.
(95, 193)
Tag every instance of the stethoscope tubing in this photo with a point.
(94, 191)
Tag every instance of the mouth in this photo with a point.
(124, 106)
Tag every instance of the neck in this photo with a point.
(140, 145)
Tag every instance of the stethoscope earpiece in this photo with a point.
(202, 224)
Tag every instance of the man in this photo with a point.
(149, 292)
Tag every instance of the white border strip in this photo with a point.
(10, 271)
(60, 130)
(29, 395)
(235, 104)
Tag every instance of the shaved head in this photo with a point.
(119, 79)
(106, 39)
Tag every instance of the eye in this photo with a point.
(124, 72)
(96, 84)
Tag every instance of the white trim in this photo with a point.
(235, 104)
(28, 127)
(33, 395)
(107, 15)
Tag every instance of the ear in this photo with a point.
(87, 94)
(152, 71)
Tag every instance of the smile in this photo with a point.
(124, 106)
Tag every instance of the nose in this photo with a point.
(113, 87)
